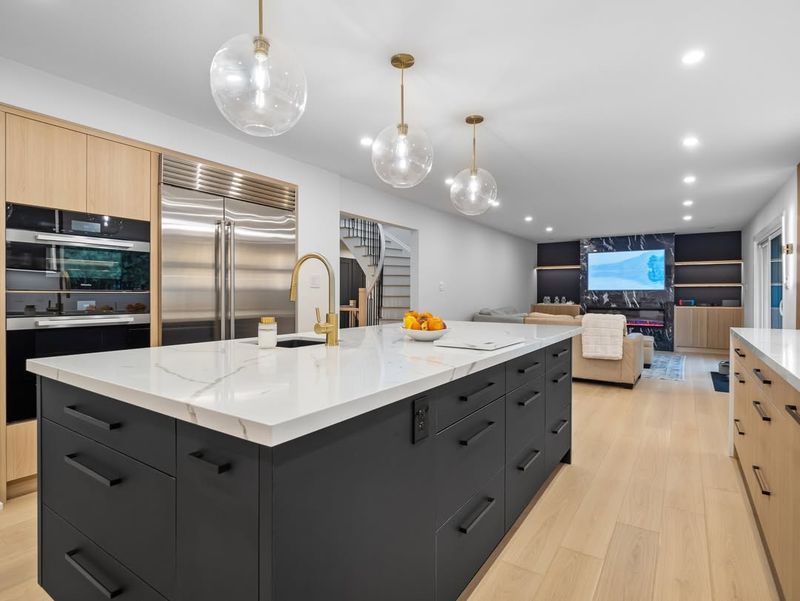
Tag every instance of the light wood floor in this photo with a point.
(652, 508)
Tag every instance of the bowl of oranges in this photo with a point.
(424, 327)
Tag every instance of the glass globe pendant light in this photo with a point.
(258, 84)
(473, 190)
(401, 155)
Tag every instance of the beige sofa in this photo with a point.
(626, 371)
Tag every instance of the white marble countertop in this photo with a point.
(780, 349)
(274, 396)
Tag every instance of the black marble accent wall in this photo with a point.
(652, 306)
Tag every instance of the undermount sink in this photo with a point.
(298, 342)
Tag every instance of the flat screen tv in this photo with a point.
(626, 270)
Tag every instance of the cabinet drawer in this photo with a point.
(524, 369)
(525, 474)
(558, 384)
(558, 354)
(75, 569)
(467, 539)
(467, 454)
(558, 438)
(141, 434)
(122, 505)
(525, 409)
(460, 398)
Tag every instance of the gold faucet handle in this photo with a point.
(319, 317)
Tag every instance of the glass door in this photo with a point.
(776, 281)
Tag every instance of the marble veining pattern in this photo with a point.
(273, 396)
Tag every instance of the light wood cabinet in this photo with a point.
(21, 450)
(45, 164)
(706, 328)
(118, 179)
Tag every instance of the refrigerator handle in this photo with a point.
(219, 260)
(230, 234)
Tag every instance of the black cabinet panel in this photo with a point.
(558, 438)
(558, 354)
(525, 411)
(461, 397)
(525, 474)
(467, 454)
(121, 504)
(524, 369)
(353, 512)
(218, 513)
(467, 539)
(75, 569)
(559, 389)
(141, 434)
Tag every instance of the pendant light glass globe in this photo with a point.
(473, 193)
(258, 85)
(402, 160)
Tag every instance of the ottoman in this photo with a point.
(648, 350)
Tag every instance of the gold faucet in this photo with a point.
(330, 327)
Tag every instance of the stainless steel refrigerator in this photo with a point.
(225, 262)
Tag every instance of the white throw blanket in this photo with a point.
(602, 336)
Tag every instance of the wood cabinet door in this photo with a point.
(720, 322)
(118, 180)
(691, 325)
(45, 164)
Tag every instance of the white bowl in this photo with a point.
(424, 335)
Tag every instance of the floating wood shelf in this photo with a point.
(726, 262)
(716, 285)
(553, 267)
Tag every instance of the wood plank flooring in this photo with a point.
(652, 508)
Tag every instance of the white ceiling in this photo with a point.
(586, 103)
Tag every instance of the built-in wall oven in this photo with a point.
(75, 283)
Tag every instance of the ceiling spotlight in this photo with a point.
(693, 57)
(689, 180)
(691, 142)
(688, 203)
(549, 228)
(449, 181)
(528, 218)
(687, 217)
(366, 141)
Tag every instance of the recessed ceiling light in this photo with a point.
(691, 142)
(449, 181)
(689, 179)
(528, 218)
(549, 228)
(688, 203)
(366, 141)
(693, 57)
(687, 217)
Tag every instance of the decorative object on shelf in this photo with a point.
(546, 300)
(473, 190)
(563, 300)
(557, 301)
(401, 155)
(258, 84)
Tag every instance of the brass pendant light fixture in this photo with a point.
(473, 190)
(258, 84)
(402, 155)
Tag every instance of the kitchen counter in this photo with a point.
(273, 396)
(779, 349)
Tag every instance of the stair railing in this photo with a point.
(372, 237)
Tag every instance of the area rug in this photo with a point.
(721, 381)
(666, 366)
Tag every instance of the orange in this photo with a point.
(415, 325)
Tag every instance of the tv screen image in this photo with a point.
(626, 270)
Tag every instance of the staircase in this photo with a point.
(396, 280)
(365, 239)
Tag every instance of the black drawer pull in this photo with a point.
(478, 517)
(761, 484)
(467, 398)
(529, 461)
(561, 425)
(739, 377)
(527, 402)
(761, 413)
(528, 369)
(739, 352)
(560, 378)
(560, 353)
(73, 412)
(792, 410)
(71, 461)
(738, 429)
(760, 376)
(468, 441)
(108, 593)
(216, 468)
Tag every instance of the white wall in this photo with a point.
(782, 206)
(480, 266)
